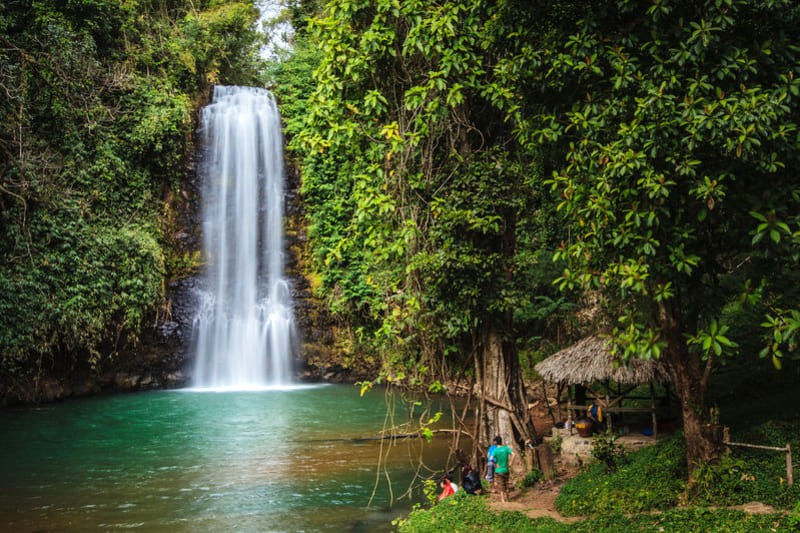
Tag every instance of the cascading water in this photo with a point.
(245, 326)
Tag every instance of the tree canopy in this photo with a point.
(678, 176)
(451, 148)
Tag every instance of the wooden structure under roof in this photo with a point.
(590, 361)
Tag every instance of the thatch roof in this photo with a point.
(590, 360)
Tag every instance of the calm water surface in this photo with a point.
(282, 460)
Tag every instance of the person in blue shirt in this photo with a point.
(490, 464)
(596, 414)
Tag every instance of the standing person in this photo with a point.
(490, 464)
(448, 487)
(504, 457)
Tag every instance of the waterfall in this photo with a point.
(245, 325)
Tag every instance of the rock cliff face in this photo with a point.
(316, 358)
(159, 359)
(165, 357)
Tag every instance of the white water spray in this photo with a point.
(245, 326)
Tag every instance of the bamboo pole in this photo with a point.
(757, 446)
(789, 468)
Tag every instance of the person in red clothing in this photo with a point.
(448, 487)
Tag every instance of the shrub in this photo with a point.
(606, 450)
(720, 483)
(556, 444)
(530, 479)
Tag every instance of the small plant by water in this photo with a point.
(429, 488)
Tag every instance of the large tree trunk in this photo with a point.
(703, 436)
(502, 408)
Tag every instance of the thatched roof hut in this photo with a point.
(590, 360)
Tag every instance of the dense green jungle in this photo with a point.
(479, 185)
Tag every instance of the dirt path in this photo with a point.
(538, 501)
(534, 502)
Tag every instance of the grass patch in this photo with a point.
(643, 491)
(651, 478)
(466, 514)
(654, 478)
(691, 519)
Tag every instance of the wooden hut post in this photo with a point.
(569, 409)
(559, 392)
(547, 401)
